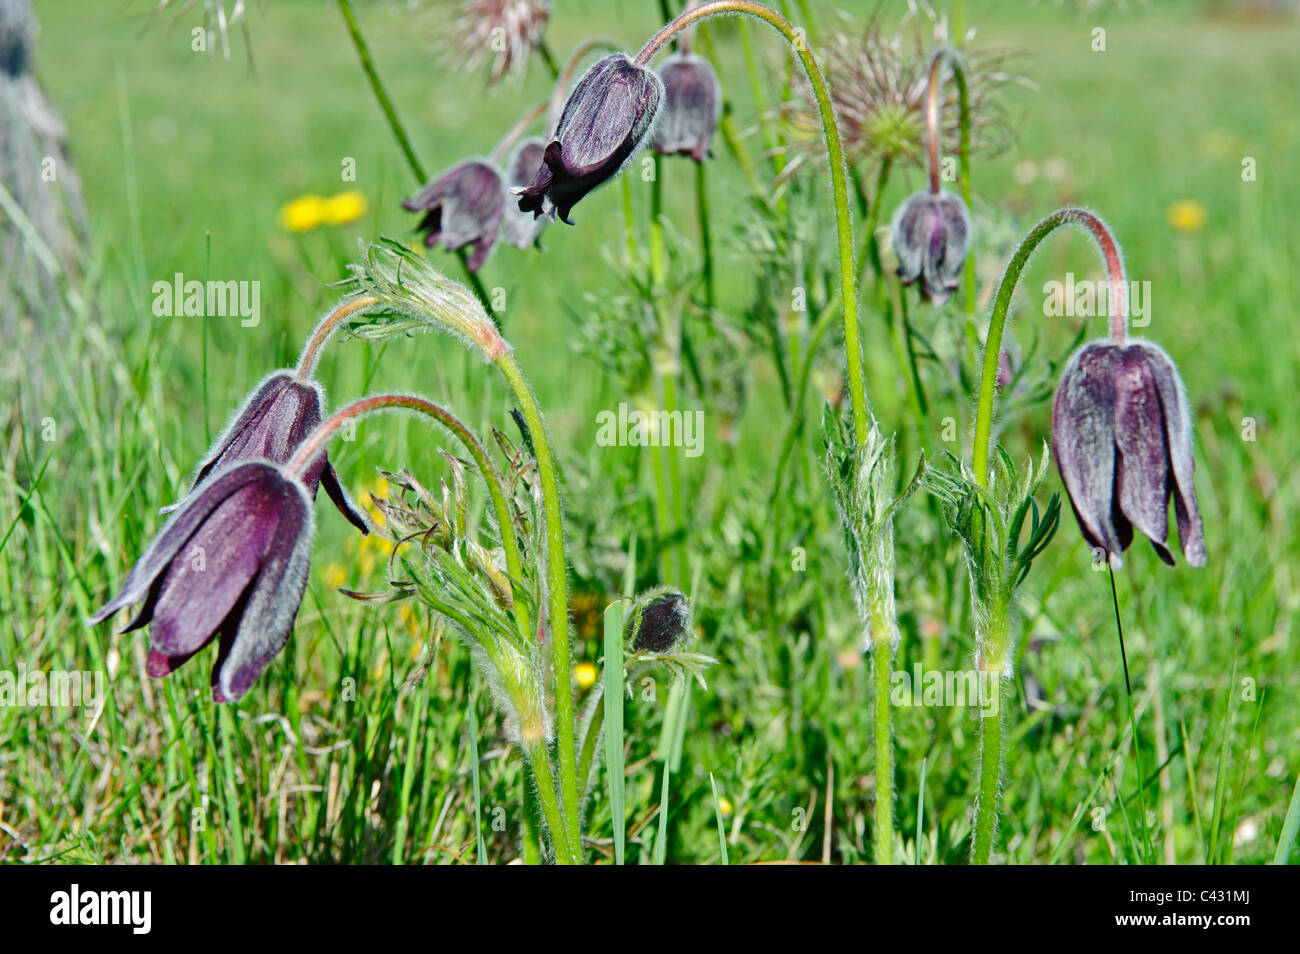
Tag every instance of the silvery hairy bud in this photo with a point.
(660, 621)
(931, 235)
(692, 104)
(605, 121)
(1122, 436)
(463, 206)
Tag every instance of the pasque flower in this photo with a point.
(231, 562)
(463, 206)
(519, 228)
(692, 103)
(275, 419)
(605, 120)
(660, 621)
(931, 236)
(1122, 436)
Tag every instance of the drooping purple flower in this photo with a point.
(232, 563)
(275, 419)
(520, 228)
(931, 235)
(692, 104)
(1122, 436)
(605, 120)
(461, 207)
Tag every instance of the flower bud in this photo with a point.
(1122, 436)
(521, 229)
(463, 206)
(931, 235)
(692, 104)
(275, 419)
(604, 122)
(660, 621)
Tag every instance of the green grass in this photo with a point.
(369, 740)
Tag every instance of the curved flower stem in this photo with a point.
(839, 177)
(557, 593)
(933, 129)
(516, 131)
(998, 634)
(328, 325)
(404, 141)
(1116, 279)
(491, 476)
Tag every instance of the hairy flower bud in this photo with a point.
(660, 621)
(931, 235)
(1122, 436)
(275, 419)
(463, 206)
(604, 122)
(692, 104)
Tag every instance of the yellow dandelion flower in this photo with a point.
(585, 675)
(303, 214)
(1187, 215)
(335, 575)
(724, 805)
(344, 208)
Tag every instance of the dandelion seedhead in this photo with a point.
(500, 32)
(878, 82)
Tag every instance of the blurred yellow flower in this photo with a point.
(585, 674)
(1186, 215)
(724, 805)
(335, 575)
(303, 214)
(310, 211)
(344, 208)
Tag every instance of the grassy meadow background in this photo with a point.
(355, 746)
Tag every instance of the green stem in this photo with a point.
(557, 591)
(491, 476)
(1132, 719)
(882, 655)
(1117, 281)
(839, 177)
(986, 806)
(706, 241)
(403, 141)
(933, 132)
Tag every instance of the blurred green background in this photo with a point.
(186, 160)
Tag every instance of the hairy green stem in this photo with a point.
(491, 476)
(882, 659)
(404, 141)
(557, 592)
(839, 177)
(1117, 281)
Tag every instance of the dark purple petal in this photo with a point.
(692, 104)
(1178, 432)
(931, 236)
(271, 425)
(463, 207)
(330, 481)
(522, 229)
(206, 579)
(1143, 463)
(604, 122)
(180, 527)
(1083, 442)
(272, 601)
